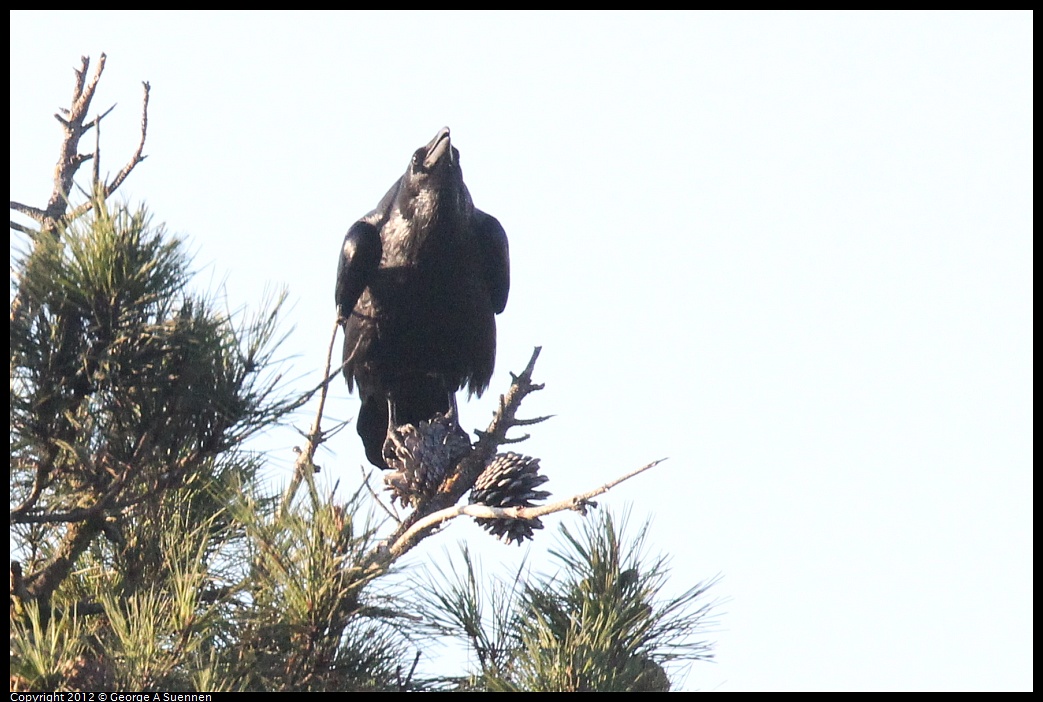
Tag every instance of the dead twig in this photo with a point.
(74, 125)
(305, 463)
(389, 510)
(577, 503)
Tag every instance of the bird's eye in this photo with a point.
(418, 157)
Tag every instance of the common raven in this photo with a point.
(419, 283)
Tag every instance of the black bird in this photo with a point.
(419, 283)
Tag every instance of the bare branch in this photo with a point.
(515, 440)
(40, 481)
(95, 174)
(403, 685)
(137, 157)
(23, 229)
(390, 511)
(84, 96)
(305, 463)
(111, 187)
(97, 120)
(466, 472)
(18, 582)
(530, 422)
(74, 125)
(79, 159)
(20, 592)
(576, 502)
(74, 515)
(28, 210)
(78, 537)
(81, 77)
(68, 159)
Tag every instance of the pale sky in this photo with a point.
(791, 252)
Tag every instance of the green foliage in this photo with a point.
(120, 381)
(135, 510)
(149, 556)
(304, 623)
(130, 400)
(44, 650)
(598, 623)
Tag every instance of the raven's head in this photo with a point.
(434, 184)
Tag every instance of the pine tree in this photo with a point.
(598, 622)
(147, 555)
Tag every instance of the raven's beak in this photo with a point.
(437, 148)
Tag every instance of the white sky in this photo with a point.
(791, 252)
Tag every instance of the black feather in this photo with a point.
(419, 282)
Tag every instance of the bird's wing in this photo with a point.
(359, 260)
(491, 245)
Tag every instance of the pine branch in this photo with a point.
(109, 188)
(305, 463)
(74, 126)
(578, 503)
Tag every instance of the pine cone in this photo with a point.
(510, 480)
(421, 456)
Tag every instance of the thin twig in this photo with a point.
(404, 686)
(391, 511)
(534, 420)
(28, 210)
(576, 502)
(96, 165)
(74, 126)
(305, 457)
(109, 188)
(97, 120)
